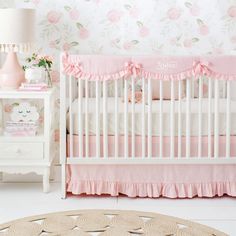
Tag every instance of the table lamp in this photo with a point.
(16, 35)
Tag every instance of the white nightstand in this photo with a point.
(25, 154)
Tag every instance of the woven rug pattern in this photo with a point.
(105, 223)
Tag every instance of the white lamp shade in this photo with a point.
(17, 28)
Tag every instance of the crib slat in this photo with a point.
(149, 118)
(161, 120)
(143, 119)
(209, 116)
(98, 119)
(86, 119)
(216, 120)
(116, 119)
(71, 117)
(180, 120)
(80, 116)
(188, 94)
(126, 151)
(133, 116)
(200, 117)
(105, 137)
(228, 119)
(172, 121)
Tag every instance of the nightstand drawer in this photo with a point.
(21, 151)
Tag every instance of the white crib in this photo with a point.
(189, 121)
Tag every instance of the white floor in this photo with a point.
(20, 200)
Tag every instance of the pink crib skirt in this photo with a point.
(172, 181)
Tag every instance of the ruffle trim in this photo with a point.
(73, 66)
(153, 190)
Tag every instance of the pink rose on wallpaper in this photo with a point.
(54, 17)
(202, 28)
(232, 11)
(133, 10)
(114, 15)
(7, 108)
(188, 43)
(83, 32)
(174, 13)
(193, 8)
(74, 14)
(143, 30)
(66, 47)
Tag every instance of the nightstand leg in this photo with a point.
(46, 180)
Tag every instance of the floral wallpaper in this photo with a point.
(134, 27)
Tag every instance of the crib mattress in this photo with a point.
(155, 117)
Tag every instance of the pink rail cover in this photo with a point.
(110, 67)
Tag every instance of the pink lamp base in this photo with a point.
(11, 74)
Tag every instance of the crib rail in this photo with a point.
(121, 146)
(146, 120)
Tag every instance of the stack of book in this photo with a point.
(33, 87)
(20, 128)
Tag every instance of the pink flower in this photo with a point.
(57, 135)
(127, 46)
(194, 10)
(55, 75)
(203, 29)
(143, 31)
(232, 11)
(74, 14)
(83, 33)
(66, 47)
(54, 17)
(134, 12)
(233, 39)
(7, 108)
(188, 43)
(114, 16)
(173, 13)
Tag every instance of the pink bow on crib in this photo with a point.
(133, 69)
(201, 68)
(70, 67)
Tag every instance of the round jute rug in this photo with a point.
(105, 223)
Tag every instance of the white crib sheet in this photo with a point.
(155, 117)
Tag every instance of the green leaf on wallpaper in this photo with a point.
(194, 40)
(200, 22)
(188, 4)
(67, 8)
(79, 25)
(74, 44)
(127, 6)
(139, 23)
(15, 104)
(135, 41)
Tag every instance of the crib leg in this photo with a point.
(63, 181)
